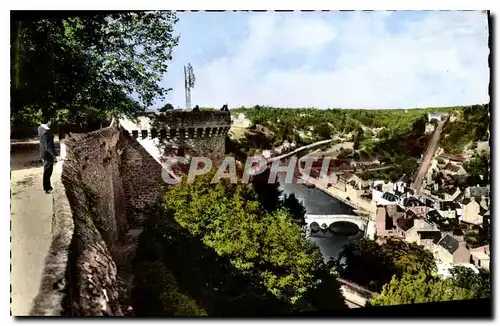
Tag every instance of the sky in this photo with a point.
(355, 59)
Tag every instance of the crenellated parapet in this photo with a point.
(178, 133)
(201, 133)
(179, 124)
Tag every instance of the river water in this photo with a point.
(318, 202)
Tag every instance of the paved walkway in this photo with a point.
(31, 220)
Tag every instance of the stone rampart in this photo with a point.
(106, 185)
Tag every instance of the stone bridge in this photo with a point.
(325, 221)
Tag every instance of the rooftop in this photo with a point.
(412, 202)
(479, 191)
(452, 157)
(389, 197)
(405, 223)
(434, 214)
(452, 190)
(449, 206)
(405, 178)
(347, 175)
(429, 203)
(452, 167)
(449, 243)
(432, 235)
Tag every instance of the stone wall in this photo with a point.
(197, 133)
(103, 190)
(54, 285)
(107, 183)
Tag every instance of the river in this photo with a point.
(318, 202)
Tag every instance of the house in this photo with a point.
(451, 193)
(451, 169)
(477, 192)
(387, 198)
(351, 179)
(430, 203)
(486, 218)
(450, 209)
(471, 212)
(411, 228)
(402, 183)
(419, 212)
(412, 202)
(484, 203)
(403, 192)
(450, 249)
(455, 115)
(379, 189)
(383, 186)
(427, 238)
(444, 269)
(403, 225)
(386, 226)
(480, 257)
(447, 158)
(429, 128)
(435, 216)
(434, 116)
(266, 153)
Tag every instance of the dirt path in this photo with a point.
(31, 219)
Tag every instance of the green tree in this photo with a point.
(296, 209)
(370, 264)
(419, 125)
(323, 130)
(167, 107)
(466, 278)
(478, 169)
(90, 65)
(265, 245)
(419, 288)
(157, 287)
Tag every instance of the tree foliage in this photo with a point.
(167, 107)
(231, 220)
(478, 169)
(473, 127)
(323, 131)
(89, 66)
(255, 257)
(419, 288)
(370, 264)
(466, 278)
(401, 135)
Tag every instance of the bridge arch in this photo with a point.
(332, 223)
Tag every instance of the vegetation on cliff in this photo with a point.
(235, 257)
(372, 265)
(473, 125)
(421, 287)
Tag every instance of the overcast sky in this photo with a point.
(332, 59)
